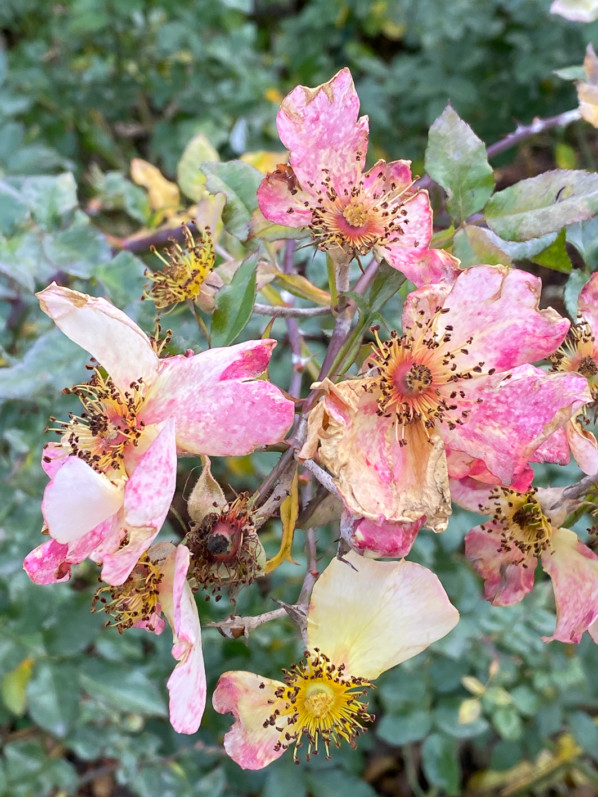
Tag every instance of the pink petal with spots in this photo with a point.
(109, 335)
(471, 494)
(508, 575)
(498, 308)
(516, 415)
(53, 458)
(429, 266)
(463, 468)
(282, 200)
(251, 700)
(587, 304)
(321, 129)
(555, 449)
(400, 250)
(147, 499)
(47, 564)
(385, 539)
(187, 684)
(78, 499)
(583, 446)
(384, 177)
(573, 568)
(227, 418)
(406, 610)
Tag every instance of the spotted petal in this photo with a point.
(321, 129)
(573, 568)
(251, 741)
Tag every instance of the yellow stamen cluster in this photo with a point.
(225, 548)
(137, 600)
(414, 373)
(578, 354)
(107, 425)
(522, 523)
(319, 703)
(185, 270)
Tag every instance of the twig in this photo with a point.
(522, 132)
(321, 475)
(282, 311)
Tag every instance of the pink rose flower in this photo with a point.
(506, 550)
(345, 208)
(350, 642)
(457, 380)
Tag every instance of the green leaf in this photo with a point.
(456, 159)
(77, 250)
(52, 696)
(13, 210)
(585, 732)
(190, 175)
(543, 204)
(474, 245)
(332, 782)
(440, 763)
(122, 689)
(584, 238)
(50, 199)
(239, 182)
(508, 723)
(234, 304)
(577, 279)
(46, 368)
(555, 256)
(386, 283)
(399, 729)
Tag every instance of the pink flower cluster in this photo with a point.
(453, 407)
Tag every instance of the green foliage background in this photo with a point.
(86, 85)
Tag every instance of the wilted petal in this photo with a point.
(250, 698)
(109, 335)
(508, 574)
(78, 499)
(406, 609)
(583, 446)
(573, 568)
(375, 475)
(321, 129)
(282, 200)
(576, 10)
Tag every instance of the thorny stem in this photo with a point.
(523, 132)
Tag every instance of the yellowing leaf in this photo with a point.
(473, 685)
(289, 512)
(164, 196)
(190, 175)
(469, 711)
(300, 286)
(14, 687)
